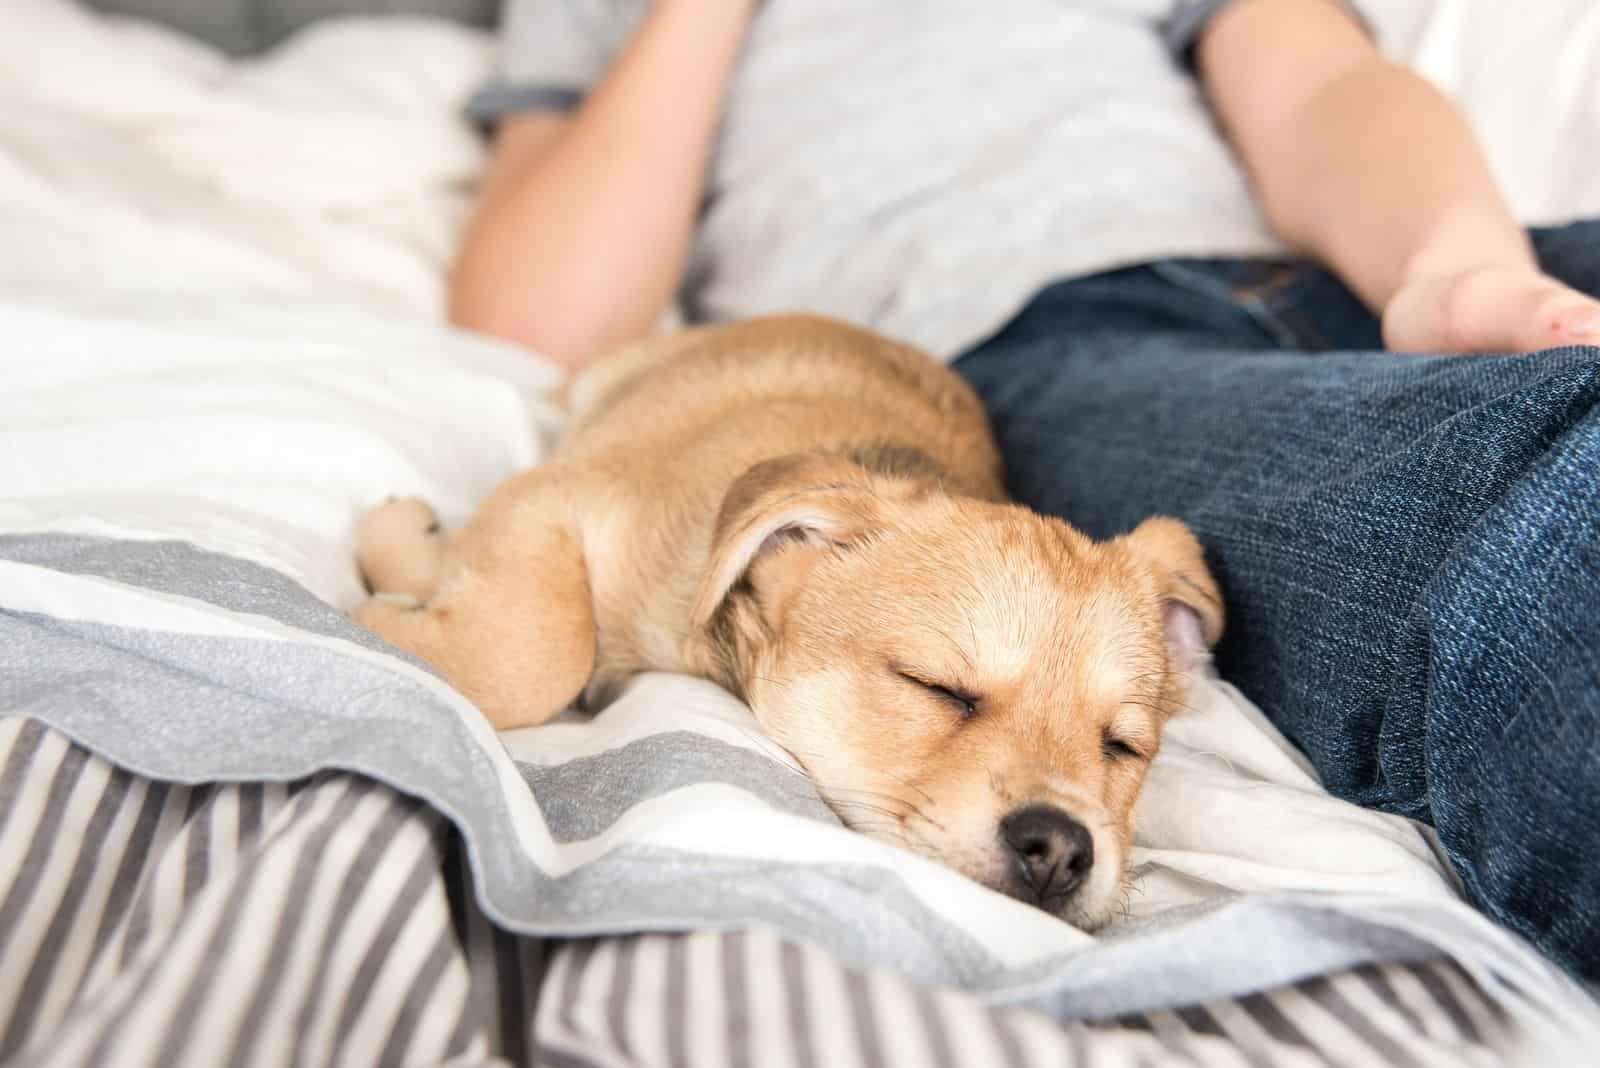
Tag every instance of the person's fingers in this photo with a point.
(1581, 321)
(1550, 315)
(1490, 311)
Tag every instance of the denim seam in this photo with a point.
(1307, 335)
(1468, 868)
(1582, 386)
(1253, 306)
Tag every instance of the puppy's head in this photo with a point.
(971, 680)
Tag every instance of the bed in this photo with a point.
(234, 828)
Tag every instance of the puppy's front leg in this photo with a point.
(512, 622)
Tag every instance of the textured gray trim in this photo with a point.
(584, 796)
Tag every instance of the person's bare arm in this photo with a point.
(1365, 166)
(582, 228)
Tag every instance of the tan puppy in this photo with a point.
(813, 517)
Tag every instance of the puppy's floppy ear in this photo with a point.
(1193, 604)
(807, 500)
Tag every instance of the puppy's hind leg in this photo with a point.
(511, 623)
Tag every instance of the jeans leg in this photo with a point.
(1410, 547)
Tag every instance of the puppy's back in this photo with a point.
(751, 390)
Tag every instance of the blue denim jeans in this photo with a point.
(1409, 546)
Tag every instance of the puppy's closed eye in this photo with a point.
(966, 704)
(1117, 748)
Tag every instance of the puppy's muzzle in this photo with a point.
(1050, 854)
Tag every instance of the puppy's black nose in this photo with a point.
(1052, 852)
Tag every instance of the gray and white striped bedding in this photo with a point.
(332, 920)
(273, 840)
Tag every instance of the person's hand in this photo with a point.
(1489, 309)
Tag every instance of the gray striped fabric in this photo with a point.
(334, 921)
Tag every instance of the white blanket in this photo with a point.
(221, 295)
(133, 161)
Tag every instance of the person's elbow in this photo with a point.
(556, 329)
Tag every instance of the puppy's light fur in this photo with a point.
(813, 516)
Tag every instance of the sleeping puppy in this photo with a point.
(813, 517)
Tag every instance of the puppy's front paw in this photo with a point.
(399, 545)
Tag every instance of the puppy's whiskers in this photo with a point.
(829, 788)
(779, 683)
(907, 782)
(836, 803)
(922, 814)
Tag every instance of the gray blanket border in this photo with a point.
(79, 678)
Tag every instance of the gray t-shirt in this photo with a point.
(925, 167)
